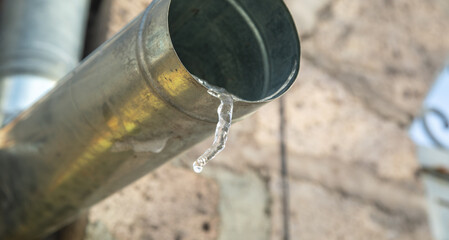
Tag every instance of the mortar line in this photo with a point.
(284, 173)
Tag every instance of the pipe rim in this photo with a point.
(287, 82)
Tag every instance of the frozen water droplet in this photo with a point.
(221, 131)
(196, 167)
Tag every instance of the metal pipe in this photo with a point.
(40, 42)
(133, 104)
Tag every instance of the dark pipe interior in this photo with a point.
(248, 47)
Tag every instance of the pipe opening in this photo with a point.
(248, 47)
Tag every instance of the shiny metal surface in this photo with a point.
(40, 42)
(18, 92)
(133, 105)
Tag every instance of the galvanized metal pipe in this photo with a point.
(40, 42)
(134, 104)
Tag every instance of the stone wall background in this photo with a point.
(365, 68)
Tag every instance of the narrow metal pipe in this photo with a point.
(40, 42)
(134, 104)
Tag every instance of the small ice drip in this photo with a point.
(221, 131)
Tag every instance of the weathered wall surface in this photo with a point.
(366, 66)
